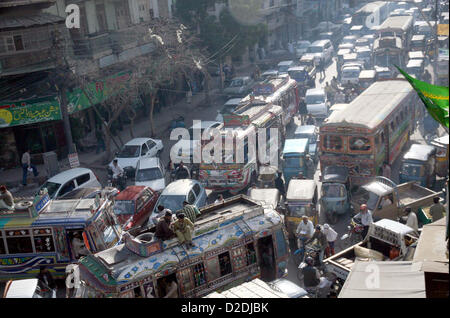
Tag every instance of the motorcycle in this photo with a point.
(353, 235)
(312, 251)
(329, 287)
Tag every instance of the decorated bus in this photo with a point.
(373, 129)
(231, 175)
(230, 239)
(42, 233)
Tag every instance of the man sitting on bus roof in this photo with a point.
(6, 199)
(163, 230)
(183, 228)
(189, 210)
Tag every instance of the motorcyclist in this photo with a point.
(304, 231)
(311, 276)
(117, 172)
(365, 218)
(321, 239)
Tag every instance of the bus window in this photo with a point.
(43, 240)
(19, 241)
(332, 143)
(359, 144)
(266, 261)
(225, 264)
(185, 279)
(2, 244)
(199, 275)
(137, 292)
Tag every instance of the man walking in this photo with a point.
(26, 165)
(322, 68)
(303, 111)
(331, 238)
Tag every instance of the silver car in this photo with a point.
(239, 86)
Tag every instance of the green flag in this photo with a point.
(434, 97)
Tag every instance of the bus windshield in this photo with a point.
(331, 190)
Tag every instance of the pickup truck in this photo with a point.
(386, 200)
(383, 236)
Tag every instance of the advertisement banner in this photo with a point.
(29, 111)
(98, 91)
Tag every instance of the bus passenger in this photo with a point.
(183, 228)
(163, 231)
(6, 199)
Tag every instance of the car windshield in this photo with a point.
(148, 174)
(298, 210)
(52, 187)
(129, 152)
(123, 207)
(314, 49)
(171, 202)
(413, 170)
(237, 83)
(333, 190)
(315, 99)
(352, 73)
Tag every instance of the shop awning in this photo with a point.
(384, 280)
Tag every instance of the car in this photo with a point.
(364, 54)
(134, 205)
(362, 42)
(415, 67)
(230, 106)
(301, 47)
(69, 180)
(134, 150)
(349, 39)
(322, 49)
(25, 288)
(175, 193)
(183, 150)
(284, 66)
(370, 38)
(316, 102)
(350, 74)
(346, 46)
(90, 193)
(151, 172)
(309, 132)
(239, 86)
(292, 290)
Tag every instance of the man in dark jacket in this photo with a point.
(321, 239)
(163, 230)
(182, 172)
(311, 276)
(303, 111)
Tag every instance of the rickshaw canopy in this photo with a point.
(335, 174)
(419, 152)
(295, 146)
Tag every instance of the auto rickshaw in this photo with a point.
(418, 164)
(301, 199)
(266, 177)
(441, 145)
(335, 192)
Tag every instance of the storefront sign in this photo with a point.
(29, 111)
(442, 29)
(73, 160)
(98, 91)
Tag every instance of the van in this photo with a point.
(316, 102)
(322, 49)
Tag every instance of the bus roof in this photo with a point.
(224, 222)
(399, 23)
(373, 105)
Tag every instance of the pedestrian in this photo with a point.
(27, 166)
(190, 211)
(219, 199)
(302, 110)
(183, 228)
(387, 170)
(334, 83)
(6, 199)
(46, 282)
(412, 221)
(279, 184)
(321, 239)
(309, 167)
(331, 235)
(437, 210)
(322, 68)
(163, 230)
(366, 219)
(329, 92)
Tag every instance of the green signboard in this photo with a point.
(29, 111)
(48, 108)
(98, 91)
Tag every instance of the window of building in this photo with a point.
(18, 43)
(213, 268)
(332, 143)
(225, 264)
(43, 240)
(19, 242)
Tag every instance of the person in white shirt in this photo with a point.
(219, 199)
(366, 219)
(116, 169)
(412, 219)
(331, 238)
(305, 230)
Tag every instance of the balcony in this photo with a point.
(94, 46)
(26, 62)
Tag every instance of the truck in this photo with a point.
(386, 240)
(387, 200)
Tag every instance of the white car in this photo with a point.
(350, 74)
(136, 149)
(150, 172)
(183, 150)
(24, 288)
(316, 102)
(69, 180)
